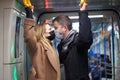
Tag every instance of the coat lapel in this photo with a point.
(52, 57)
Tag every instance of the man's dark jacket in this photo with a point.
(73, 50)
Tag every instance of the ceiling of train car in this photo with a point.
(72, 5)
(61, 4)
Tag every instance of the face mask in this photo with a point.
(58, 35)
(52, 35)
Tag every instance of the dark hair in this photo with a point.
(64, 20)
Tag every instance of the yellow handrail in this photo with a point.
(27, 3)
(82, 2)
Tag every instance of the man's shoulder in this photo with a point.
(76, 36)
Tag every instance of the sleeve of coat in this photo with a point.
(85, 33)
(29, 34)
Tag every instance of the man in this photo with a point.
(73, 48)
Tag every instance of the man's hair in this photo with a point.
(64, 20)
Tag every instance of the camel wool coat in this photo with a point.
(45, 63)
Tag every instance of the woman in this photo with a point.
(44, 59)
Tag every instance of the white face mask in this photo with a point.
(58, 35)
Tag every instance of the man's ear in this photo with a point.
(66, 27)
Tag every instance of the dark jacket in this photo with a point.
(73, 50)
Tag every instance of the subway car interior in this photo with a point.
(103, 55)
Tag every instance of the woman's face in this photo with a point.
(49, 33)
(47, 30)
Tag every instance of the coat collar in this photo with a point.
(68, 40)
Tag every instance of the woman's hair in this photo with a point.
(40, 31)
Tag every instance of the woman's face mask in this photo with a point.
(52, 35)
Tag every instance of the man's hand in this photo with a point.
(83, 6)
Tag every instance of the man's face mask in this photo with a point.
(59, 30)
(58, 35)
(52, 35)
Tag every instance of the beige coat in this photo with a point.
(45, 64)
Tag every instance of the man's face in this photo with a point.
(59, 28)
